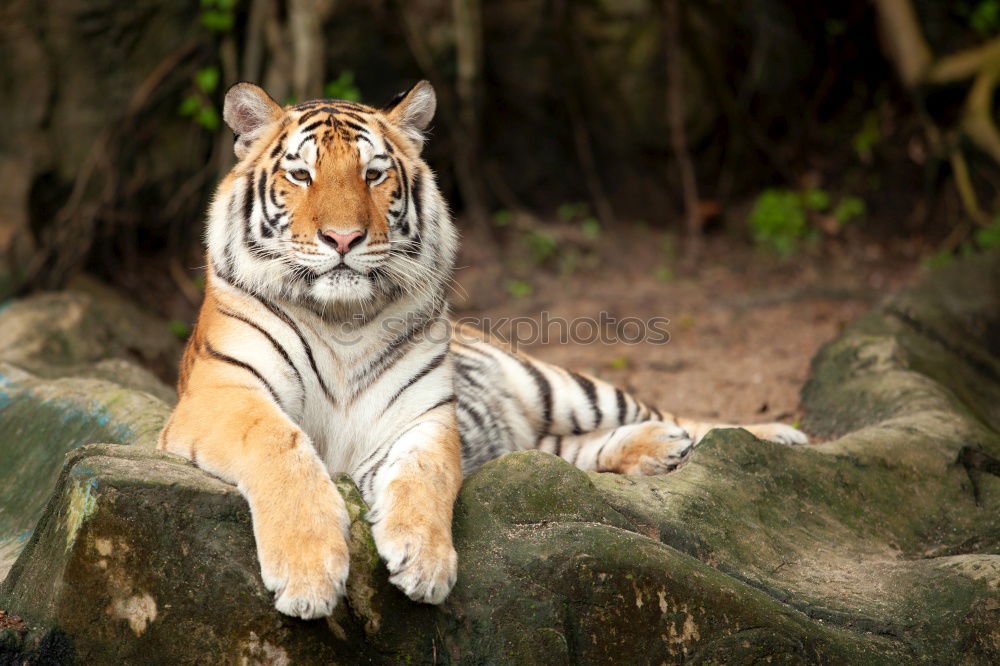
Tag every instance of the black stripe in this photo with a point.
(417, 202)
(442, 403)
(656, 413)
(464, 372)
(393, 351)
(427, 369)
(248, 204)
(406, 191)
(600, 450)
(219, 356)
(277, 148)
(274, 343)
(590, 390)
(620, 398)
(476, 416)
(280, 314)
(577, 430)
(544, 391)
(559, 445)
(314, 125)
(356, 127)
(576, 454)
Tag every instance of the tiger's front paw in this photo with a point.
(778, 432)
(304, 560)
(422, 562)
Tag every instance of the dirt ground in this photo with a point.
(743, 326)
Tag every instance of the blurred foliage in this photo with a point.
(783, 220)
(555, 112)
(343, 87)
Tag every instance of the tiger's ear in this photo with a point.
(248, 110)
(413, 110)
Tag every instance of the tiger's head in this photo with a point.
(330, 204)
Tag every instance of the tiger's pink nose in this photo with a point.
(342, 243)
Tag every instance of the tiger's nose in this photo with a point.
(342, 243)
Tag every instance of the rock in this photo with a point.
(879, 546)
(72, 371)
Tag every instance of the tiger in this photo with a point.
(323, 346)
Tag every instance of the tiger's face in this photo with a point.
(330, 203)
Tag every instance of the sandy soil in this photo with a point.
(743, 327)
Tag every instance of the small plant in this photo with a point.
(343, 87)
(849, 208)
(218, 15)
(778, 221)
(983, 16)
(591, 228)
(619, 362)
(198, 105)
(542, 245)
(502, 218)
(988, 238)
(664, 274)
(179, 328)
(519, 288)
(867, 137)
(781, 219)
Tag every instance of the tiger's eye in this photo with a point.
(372, 175)
(300, 174)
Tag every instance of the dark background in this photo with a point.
(794, 129)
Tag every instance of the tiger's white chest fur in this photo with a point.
(353, 389)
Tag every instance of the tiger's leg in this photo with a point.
(650, 447)
(411, 487)
(653, 447)
(299, 518)
(773, 432)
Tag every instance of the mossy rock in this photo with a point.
(881, 546)
(73, 370)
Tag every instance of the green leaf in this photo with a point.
(989, 238)
(542, 245)
(519, 288)
(619, 362)
(816, 199)
(866, 138)
(208, 118)
(216, 20)
(343, 87)
(502, 218)
(189, 106)
(207, 79)
(664, 274)
(179, 328)
(938, 261)
(566, 211)
(778, 221)
(591, 228)
(848, 209)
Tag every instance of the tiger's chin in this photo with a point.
(343, 287)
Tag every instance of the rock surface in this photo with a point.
(72, 371)
(881, 545)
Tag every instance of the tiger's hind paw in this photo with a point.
(778, 432)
